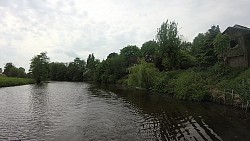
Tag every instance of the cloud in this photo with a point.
(72, 28)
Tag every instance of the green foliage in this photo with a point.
(111, 70)
(149, 51)
(169, 43)
(14, 81)
(11, 71)
(189, 86)
(131, 54)
(142, 75)
(7, 68)
(57, 71)
(203, 48)
(39, 67)
(186, 60)
(90, 72)
(221, 43)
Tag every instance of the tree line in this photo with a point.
(133, 65)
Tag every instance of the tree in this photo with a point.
(79, 69)
(131, 54)
(39, 67)
(57, 71)
(169, 43)
(203, 48)
(111, 55)
(143, 75)
(90, 71)
(221, 43)
(149, 51)
(7, 68)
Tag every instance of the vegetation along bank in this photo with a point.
(214, 66)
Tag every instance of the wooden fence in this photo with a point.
(230, 97)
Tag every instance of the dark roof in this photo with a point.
(243, 29)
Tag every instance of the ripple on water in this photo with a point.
(79, 111)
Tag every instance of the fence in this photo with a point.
(230, 97)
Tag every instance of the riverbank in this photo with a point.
(229, 86)
(14, 81)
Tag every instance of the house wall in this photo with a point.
(237, 61)
(238, 56)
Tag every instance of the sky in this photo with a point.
(67, 29)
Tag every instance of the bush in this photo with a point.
(143, 75)
(189, 86)
(14, 81)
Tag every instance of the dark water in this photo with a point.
(64, 111)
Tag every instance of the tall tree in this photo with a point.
(90, 71)
(221, 43)
(203, 48)
(7, 68)
(149, 50)
(39, 67)
(169, 42)
(131, 54)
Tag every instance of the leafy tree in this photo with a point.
(57, 71)
(90, 71)
(221, 43)
(131, 54)
(203, 48)
(186, 46)
(80, 68)
(75, 70)
(143, 75)
(111, 55)
(7, 68)
(169, 43)
(111, 70)
(39, 67)
(149, 51)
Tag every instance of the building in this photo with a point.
(238, 52)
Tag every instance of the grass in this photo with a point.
(14, 81)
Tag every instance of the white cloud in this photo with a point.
(72, 28)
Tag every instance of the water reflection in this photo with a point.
(63, 111)
(40, 112)
(165, 118)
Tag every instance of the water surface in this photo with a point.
(79, 111)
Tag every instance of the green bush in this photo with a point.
(143, 75)
(14, 81)
(189, 86)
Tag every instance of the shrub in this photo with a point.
(189, 86)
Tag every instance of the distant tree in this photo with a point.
(149, 51)
(203, 48)
(21, 72)
(221, 43)
(57, 71)
(75, 70)
(169, 43)
(131, 54)
(39, 67)
(14, 72)
(80, 68)
(7, 68)
(143, 75)
(186, 59)
(111, 55)
(186, 46)
(90, 71)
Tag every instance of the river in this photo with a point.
(66, 111)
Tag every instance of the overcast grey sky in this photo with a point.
(75, 28)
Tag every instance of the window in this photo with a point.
(233, 43)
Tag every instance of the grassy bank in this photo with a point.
(218, 84)
(14, 81)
